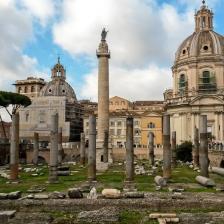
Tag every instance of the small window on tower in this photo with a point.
(205, 48)
(184, 51)
(49, 90)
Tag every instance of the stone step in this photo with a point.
(6, 215)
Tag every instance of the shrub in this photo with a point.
(184, 151)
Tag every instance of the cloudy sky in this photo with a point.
(143, 37)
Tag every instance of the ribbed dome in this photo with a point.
(58, 87)
(206, 42)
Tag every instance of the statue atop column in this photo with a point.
(104, 34)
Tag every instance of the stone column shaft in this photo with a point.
(196, 148)
(221, 127)
(216, 126)
(105, 147)
(14, 148)
(103, 97)
(92, 149)
(203, 152)
(60, 149)
(166, 147)
(53, 177)
(174, 148)
(129, 150)
(151, 148)
(35, 148)
(82, 149)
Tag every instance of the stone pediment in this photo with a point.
(207, 100)
(151, 114)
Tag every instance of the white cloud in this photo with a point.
(43, 10)
(16, 30)
(143, 37)
(135, 84)
(140, 31)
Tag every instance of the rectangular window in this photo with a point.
(118, 131)
(119, 123)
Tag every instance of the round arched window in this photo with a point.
(182, 81)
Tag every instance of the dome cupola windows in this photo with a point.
(203, 19)
(182, 82)
(207, 81)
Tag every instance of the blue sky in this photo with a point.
(143, 37)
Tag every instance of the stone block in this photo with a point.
(111, 193)
(160, 181)
(134, 195)
(75, 193)
(57, 195)
(14, 195)
(3, 196)
(162, 215)
(41, 196)
(204, 181)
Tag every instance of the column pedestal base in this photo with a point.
(129, 186)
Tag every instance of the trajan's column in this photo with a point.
(103, 55)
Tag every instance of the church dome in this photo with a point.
(204, 41)
(58, 85)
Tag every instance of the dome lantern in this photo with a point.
(58, 71)
(203, 19)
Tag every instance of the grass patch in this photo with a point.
(113, 178)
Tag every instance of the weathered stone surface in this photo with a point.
(36, 189)
(204, 181)
(3, 196)
(9, 214)
(14, 195)
(75, 193)
(57, 195)
(31, 218)
(134, 195)
(41, 196)
(160, 181)
(218, 170)
(92, 194)
(162, 215)
(104, 215)
(111, 193)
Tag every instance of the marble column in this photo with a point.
(82, 149)
(151, 148)
(216, 127)
(192, 126)
(103, 55)
(221, 127)
(203, 150)
(174, 148)
(128, 184)
(166, 147)
(53, 166)
(14, 148)
(105, 147)
(60, 148)
(92, 149)
(196, 148)
(35, 148)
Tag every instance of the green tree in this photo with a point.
(14, 100)
(184, 151)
